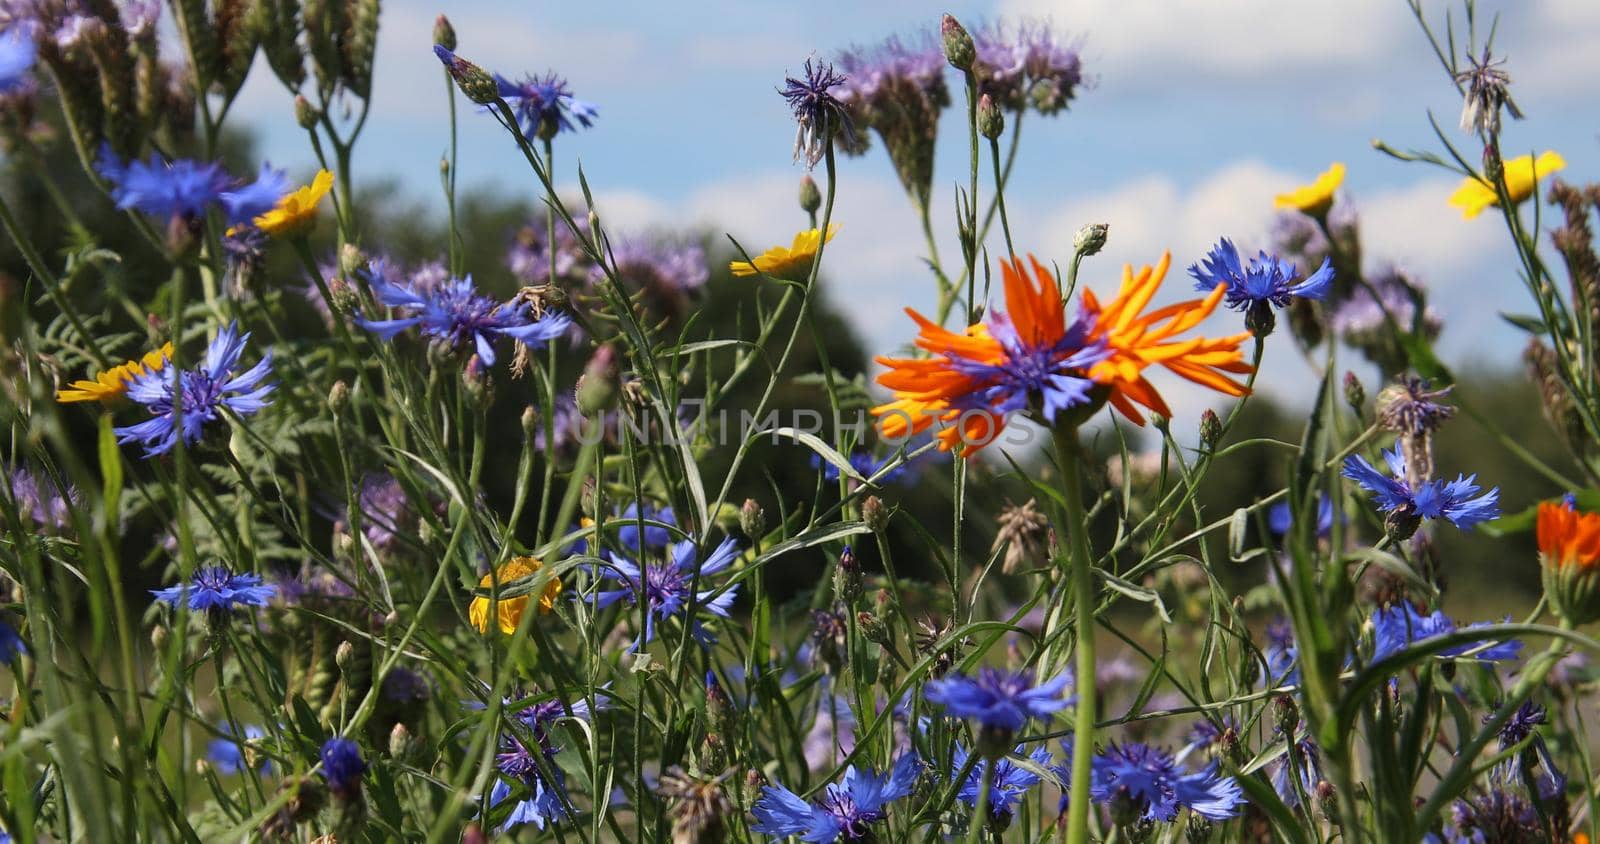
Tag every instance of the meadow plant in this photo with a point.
(307, 538)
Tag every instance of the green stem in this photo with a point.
(1068, 453)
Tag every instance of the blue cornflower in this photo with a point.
(457, 316)
(1281, 655)
(655, 536)
(1496, 816)
(666, 585)
(226, 753)
(1456, 501)
(865, 465)
(999, 700)
(188, 189)
(1522, 724)
(819, 114)
(217, 588)
(1300, 761)
(846, 809)
(1050, 364)
(342, 766)
(545, 105)
(542, 804)
(1279, 519)
(206, 390)
(1266, 282)
(1400, 625)
(1008, 782)
(11, 643)
(17, 54)
(1206, 733)
(519, 760)
(1159, 786)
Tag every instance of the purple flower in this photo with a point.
(1496, 817)
(1363, 321)
(217, 588)
(1281, 655)
(39, 499)
(189, 189)
(847, 809)
(1008, 782)
(1456, 501)
(665, 270)
(666, 585)
(1300, 763)
(342, 767)
(226, 753)
(1028, 63)
(1400, 625)
(11, 643)
(1159, 786)
(819, 114)
(1052, 370)
(999, 700)
(457, 316)
(1257, 287)
(545, 106)
(206, 391)
(529, 255)
(17, 55)
(385, 510)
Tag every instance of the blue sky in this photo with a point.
(1201, 112)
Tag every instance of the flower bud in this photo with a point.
(530, 422)
(351, 259)
(752, 520)
(158, 636)
(1401, 524)
(475, 82)
(339, 396)
(477, 383)
(345, 656)
(305, 113)
(473, 834)
(1210, 429)
(991, 120)
(399, 742)
(1327, 798)
(875, 513)
(444, 35)
(597, 386)
(810, 196)
(1286, 714)
(959, 49)
(1160, 422)
(1090, 239)
(847, 577)
(1355, 394)
(872, 628)
(1198, 830)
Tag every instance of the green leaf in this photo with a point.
(110, 473)
(1139, 593)
(1526, 322)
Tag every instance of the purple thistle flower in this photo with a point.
(457, 316)
(545, 106)
(17, 55)
(1456, 501)
(666, 585)
(847, 809)
(1007, 784)
(529, 255)
(11, 643)
(39, 499)
(1257, 287)
(667, 271)
(216, 588)
(819, 114)
(342, 767)
(206, 390)
(1030, 62)
(226, 753)
(999, 700)
(1400, 625)
(1160, 786)
(189, 189)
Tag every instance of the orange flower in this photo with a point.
(1139, 341)
(1569, 557)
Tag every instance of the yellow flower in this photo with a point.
(1316, 198)
(112, 383)
(297, 210)
(511, 609)
(792, 263)
(1522, 173)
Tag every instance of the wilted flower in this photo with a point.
(1409, 407)
(1024, 532)
(206, 391)
(1522, 175)
(698, 805)
(818, 113)
(457, 316)
(1488, 91)
(215, 588)
(545, 106)
(847, 809)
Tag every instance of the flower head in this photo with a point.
(41, 501)
(1456, 501)
(1316, 198)
(227, 753)
(189, 189)
(545, 106)
(1280, 519)
(847, 809)
(11, 643)
(1497, 817)
(17, 55)
(819, 114)
(296, 212)
(656, 536)
(1488, 90)
(1028, 64)
(217, 588)
(1027, 357)
(456, 316)
(897, 89)
(1569, 557)
(1522, 724)
(1522, 175)
(509, 610)
(1137, 342)
(112, 384)
(1281, 654)
(1410, 408)
(342, 766)
(1009, 782)
(1266, 282)
(206, 391)
(792, 263)
(665, 585)
(1398, 626)
(1160, 786)
(998, 699)
(385, 510)
(664, 269)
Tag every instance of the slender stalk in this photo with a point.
(1081, 574)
